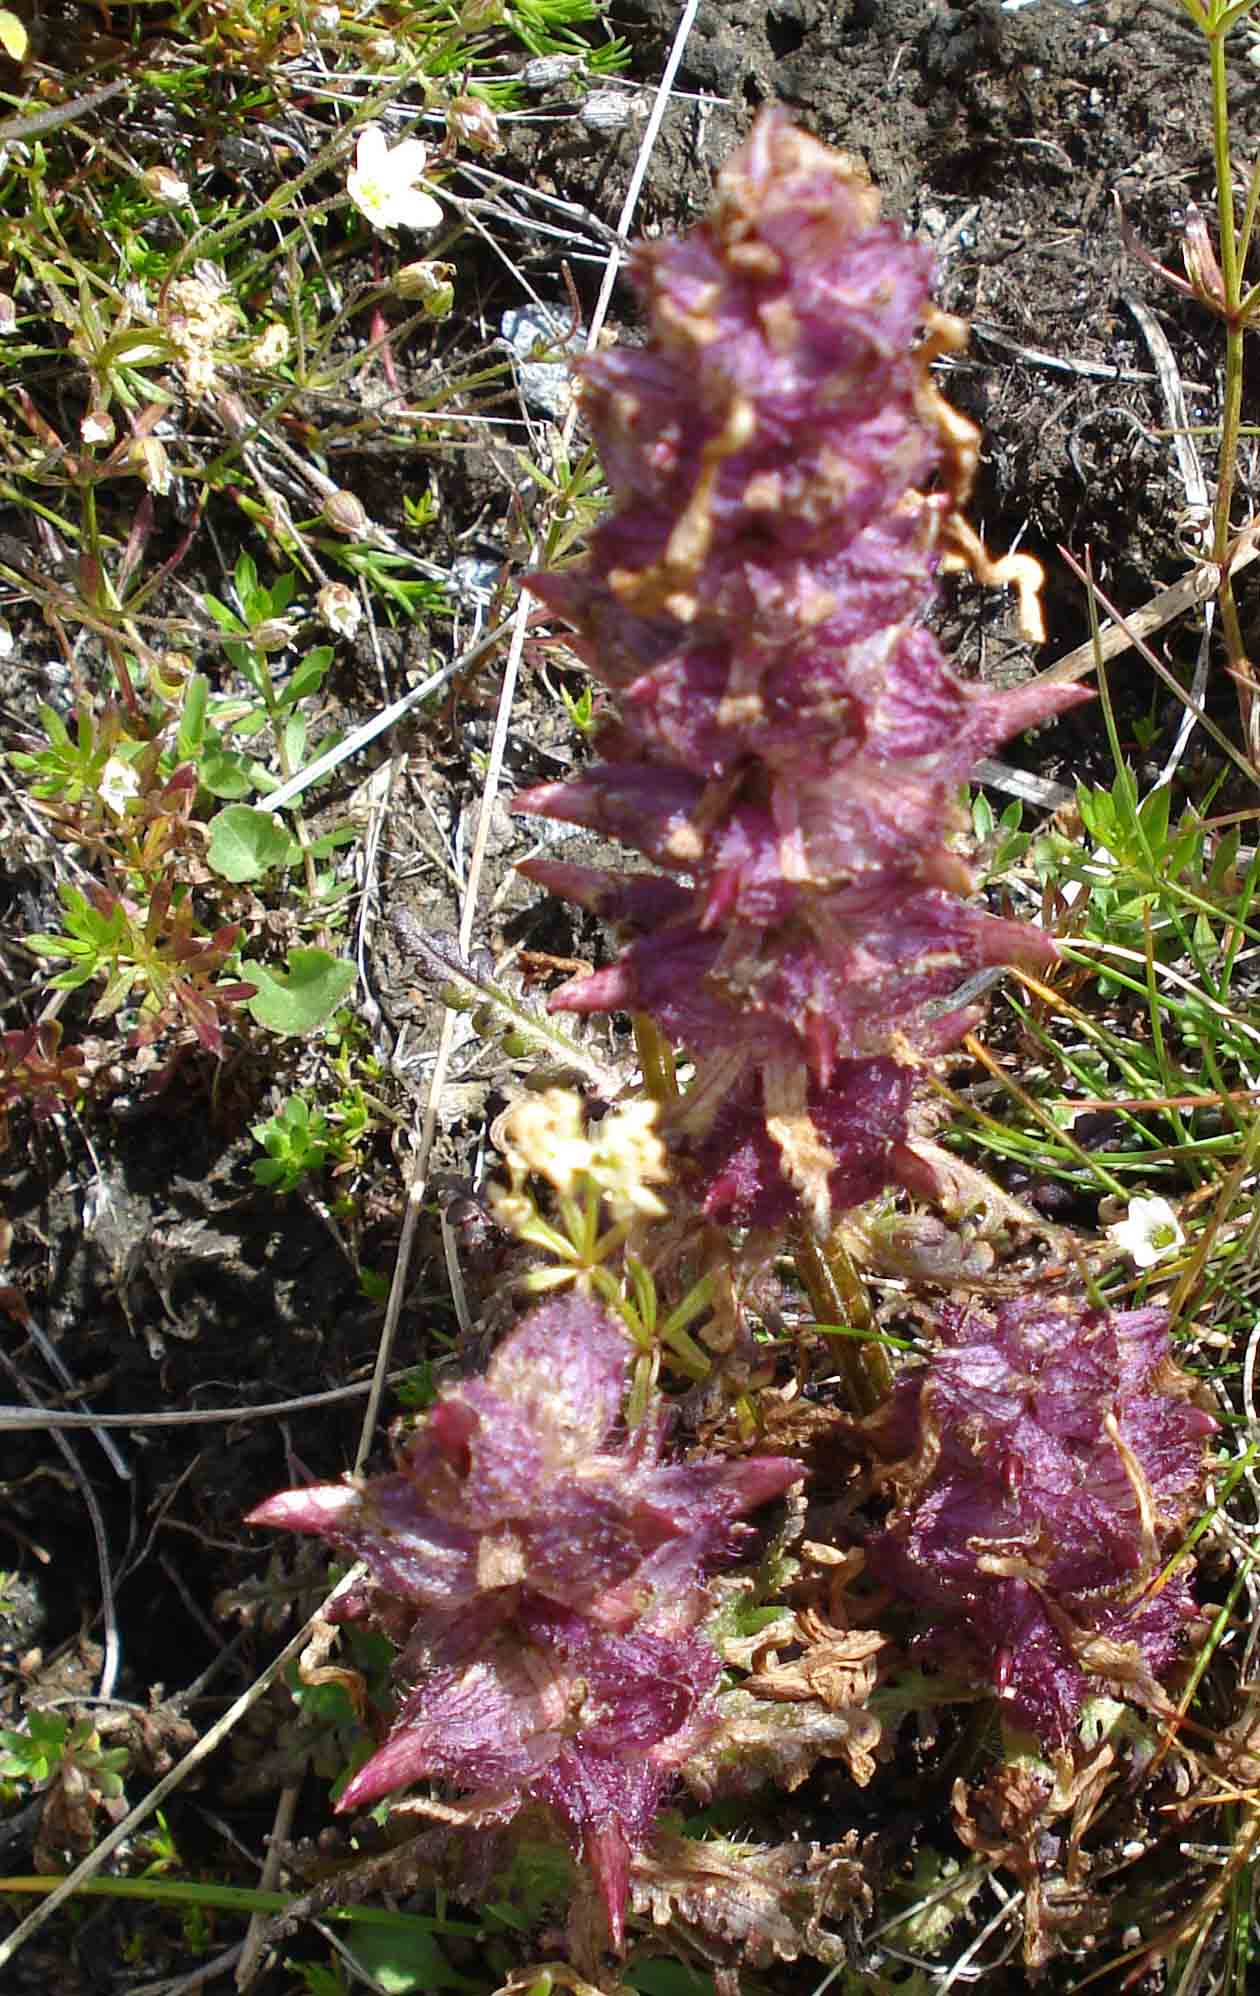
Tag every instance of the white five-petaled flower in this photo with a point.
(118, 782)
(382, 182)
(1149, 1231)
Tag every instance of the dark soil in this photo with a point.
(164, 1277)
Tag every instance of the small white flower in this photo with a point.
(627, 1159)
(545, 1133)
(199, 371)
(118, 782)
(382, 182)
(1149, 1231)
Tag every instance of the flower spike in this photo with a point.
(543, 1575)
(789, 740)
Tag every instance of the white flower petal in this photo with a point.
(408, 160)
(382, 183)
(1149, 1231)
(372, 150)
(414, 209)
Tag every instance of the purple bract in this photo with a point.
(1047, 1460)
(544, 1576)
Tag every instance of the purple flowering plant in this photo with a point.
(1047, 1460)
(789, 742)
(784, 750)
(542, 1572)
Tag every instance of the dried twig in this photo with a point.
(12, 1418)
(1198, 501)
(208, 1744)
(1196, 586)
(112, 1654)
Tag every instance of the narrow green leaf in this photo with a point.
(308, 675)
(226, 619)
(192, 720)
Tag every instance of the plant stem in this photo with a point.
(656, 1059)
(1231, 408)
(837, 1294)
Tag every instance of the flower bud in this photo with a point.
(232, 413)
(325, 21)
(176, 668)
(1202, 267)
(163, 185)
(97, 427)
(8, 315)
(473, 123)
(274, 634)
(148, 457)
(340, 609)
(346, 515)
(430, 283)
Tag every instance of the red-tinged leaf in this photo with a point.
(1050, 1455)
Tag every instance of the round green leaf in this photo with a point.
(296, 1000)
(245, 843)
(226, 774)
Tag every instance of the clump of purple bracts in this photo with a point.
(544, 1576)
(1050, 1457)
(789, 741)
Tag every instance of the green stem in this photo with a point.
(1231, 410)
(837, 1294)
(656, 1060)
